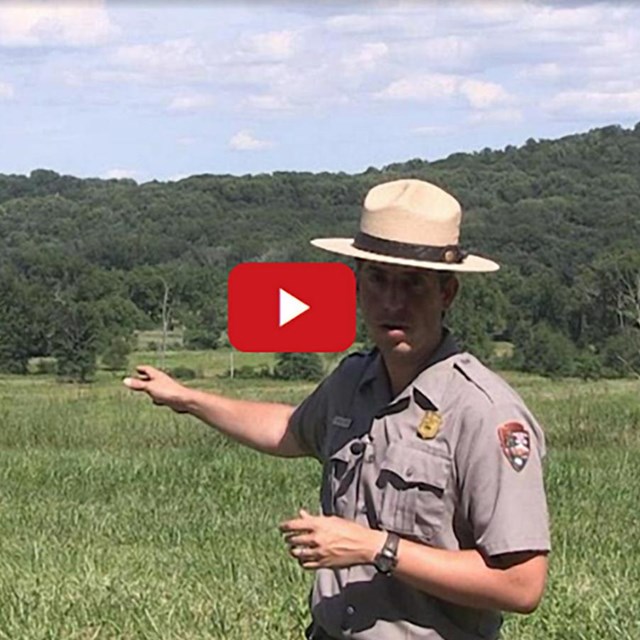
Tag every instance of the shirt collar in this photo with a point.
(447, 348)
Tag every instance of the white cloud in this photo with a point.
(428, 88)
(269, 102)
(432, 130)
(273, 45)
(422, 87)
(567, 19)
(497, 116)
(181, 58)
(353, 23)
(6, 91)
(194, 102)
(366, 59)
(595, 103)
(441, 53)
(482, 95)
(75, 24)
(245, 141)
(119, 174)
(542, 71)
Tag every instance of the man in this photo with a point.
(434, 516)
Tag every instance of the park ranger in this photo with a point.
(434, 517)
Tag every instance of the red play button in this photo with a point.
(291, 306)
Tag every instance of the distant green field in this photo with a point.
(122, 520)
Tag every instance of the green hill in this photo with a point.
(562, 216)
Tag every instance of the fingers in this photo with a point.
(300, 540)
(147, 372)
(307, 558)
(135, 384)
(299, 535)
(305, 522)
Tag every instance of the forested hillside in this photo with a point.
(85, 262)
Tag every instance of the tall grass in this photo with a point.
(119, 519)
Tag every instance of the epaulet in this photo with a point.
(485, 380)
(356, 359)
(363, 353)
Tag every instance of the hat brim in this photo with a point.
(344, 246)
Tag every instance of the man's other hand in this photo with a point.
(160, 387)
(330, 541)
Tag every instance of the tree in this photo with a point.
(116, 356)
(24, 322)
(75, 341)
(478, 315)
(621, 353)
(298, 366)
(542, 349)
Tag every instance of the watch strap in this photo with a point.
(387, 559)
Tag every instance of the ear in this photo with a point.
(450, 291)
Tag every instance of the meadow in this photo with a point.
(119, 519)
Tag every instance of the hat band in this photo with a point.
(449, 254)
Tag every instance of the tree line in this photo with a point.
(86, 262)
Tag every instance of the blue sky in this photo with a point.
(162, 90)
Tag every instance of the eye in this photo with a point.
(376, 276)
(415, 282)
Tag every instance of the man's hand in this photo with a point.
(329, 541)
(160, 387)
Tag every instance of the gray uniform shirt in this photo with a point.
(454, 461)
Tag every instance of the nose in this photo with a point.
(394, 297)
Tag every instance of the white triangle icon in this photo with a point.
(290, 307)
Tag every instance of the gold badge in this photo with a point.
(429, 425)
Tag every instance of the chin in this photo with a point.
(396, 347)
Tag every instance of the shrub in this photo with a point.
(247, 371)
(298, 366)
(45, 366)
(115, 356)
(182, 373)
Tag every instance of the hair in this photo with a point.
(444, 277)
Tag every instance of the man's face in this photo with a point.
(402, 307)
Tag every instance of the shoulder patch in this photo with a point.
(515, 443)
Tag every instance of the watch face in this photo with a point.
(387, 559)
(384, 563)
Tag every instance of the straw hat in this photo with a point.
(411, 223)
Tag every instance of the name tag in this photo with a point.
(341, 421)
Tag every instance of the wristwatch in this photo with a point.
(386, 560)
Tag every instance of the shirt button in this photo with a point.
(410, 472)
(351, 610)
(357, 448)
(370, 457)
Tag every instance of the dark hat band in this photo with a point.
(450, 254)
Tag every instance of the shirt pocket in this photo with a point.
(341, 471)
(412, 484)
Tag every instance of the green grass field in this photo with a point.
(119, 519)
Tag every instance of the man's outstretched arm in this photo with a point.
(259, 425)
